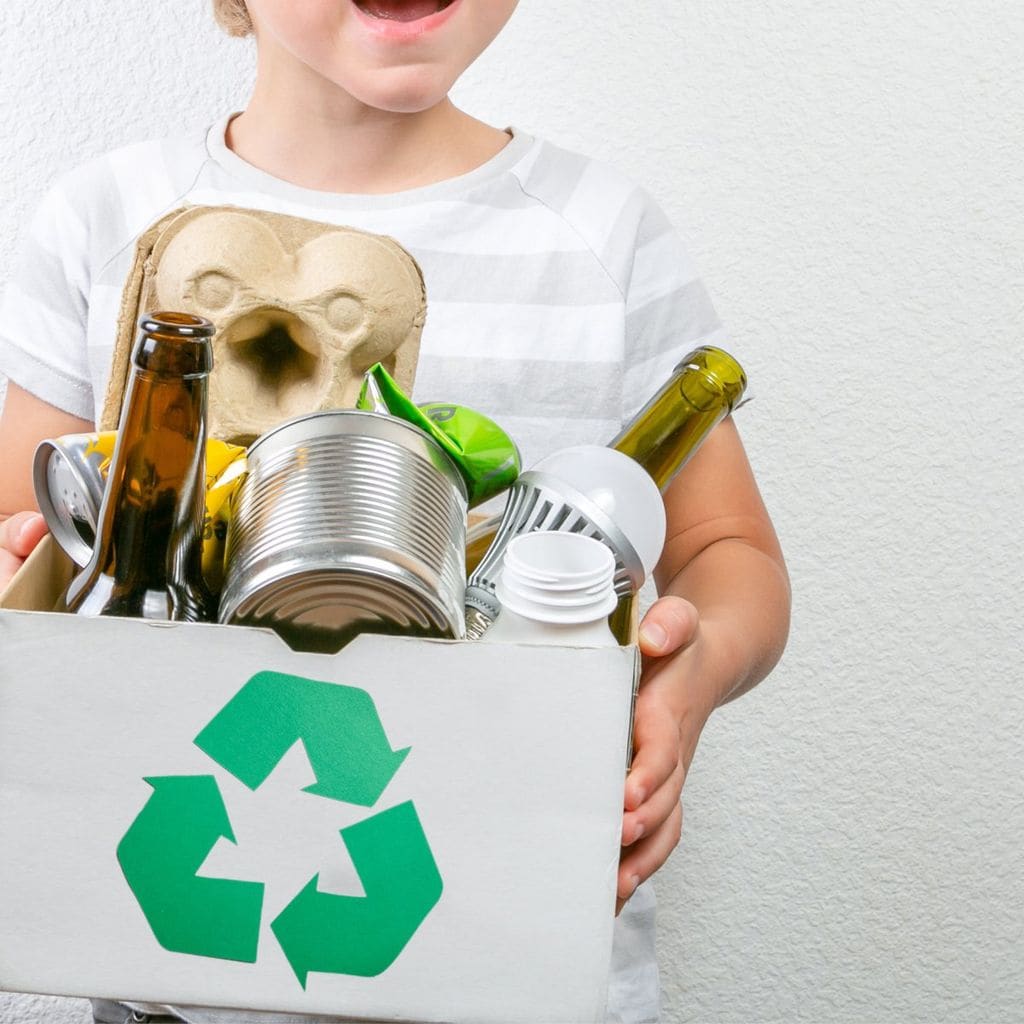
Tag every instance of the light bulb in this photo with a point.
(587, 489)
(621, 488)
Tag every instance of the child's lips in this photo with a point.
(401, 22)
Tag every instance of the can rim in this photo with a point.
(381, 426)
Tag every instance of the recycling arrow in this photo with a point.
(363, 935)
(353, 761)
(339, 725)
(160, 854)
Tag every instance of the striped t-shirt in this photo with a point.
(558, 295)
(558, 298)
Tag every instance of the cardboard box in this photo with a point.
(473, 876)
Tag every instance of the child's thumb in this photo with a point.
(669, 624)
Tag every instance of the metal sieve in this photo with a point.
(347, 522)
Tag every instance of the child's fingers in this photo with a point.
(21, 533)
(9, 565)
(18, 536)
(656, 754)
(653, 812)
(645, 857)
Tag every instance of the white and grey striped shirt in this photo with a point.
(558, 299)
(558, 295)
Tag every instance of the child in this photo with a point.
(558, 300)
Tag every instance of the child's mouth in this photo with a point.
(401, 10)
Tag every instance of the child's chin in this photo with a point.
(408, 90)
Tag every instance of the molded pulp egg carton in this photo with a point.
(302, 310)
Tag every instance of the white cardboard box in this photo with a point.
(489, 856)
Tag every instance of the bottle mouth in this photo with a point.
(176, 325)
(557, 577)
(174, 344)
(718, 376)
(559, 560)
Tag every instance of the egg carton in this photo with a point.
(302, 310)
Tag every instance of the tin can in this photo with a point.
(347, 522)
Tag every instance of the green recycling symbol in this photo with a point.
(318, 931)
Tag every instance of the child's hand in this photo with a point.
(19, 535)
(668, 721)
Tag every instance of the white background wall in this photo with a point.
(849, 177)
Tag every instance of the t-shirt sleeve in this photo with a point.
(668, 310)
(44, 311)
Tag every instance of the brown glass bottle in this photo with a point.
(146, 561)
(703, 389)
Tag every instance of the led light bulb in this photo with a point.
(621, 488)
(587, 489)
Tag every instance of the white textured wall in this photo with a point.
(849, 176)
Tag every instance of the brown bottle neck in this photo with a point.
(179, 358)
(162, 435)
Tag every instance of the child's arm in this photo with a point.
(43, 320)
(26, 421)
(718, 629)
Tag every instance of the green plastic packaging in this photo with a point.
(485, 456)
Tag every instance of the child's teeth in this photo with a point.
(401, 10)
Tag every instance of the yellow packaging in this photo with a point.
(225, 470)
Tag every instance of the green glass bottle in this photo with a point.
(703, 389)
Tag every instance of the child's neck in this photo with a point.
(356, 149)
